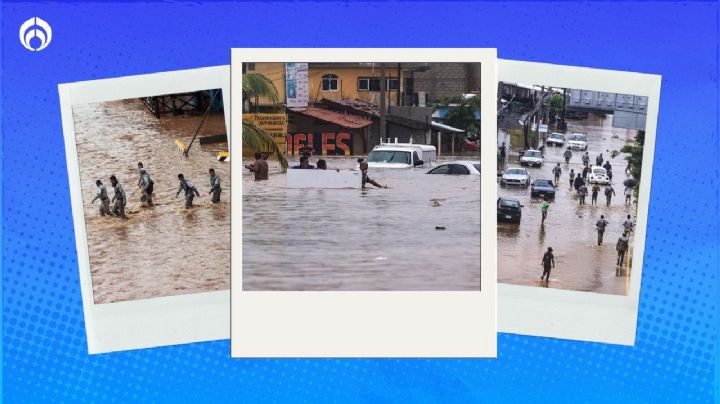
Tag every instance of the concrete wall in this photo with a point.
(448, 80)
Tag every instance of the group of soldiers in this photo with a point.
(146, 186)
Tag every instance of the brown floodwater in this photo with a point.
(362, 240)
(165, 250)
(570, 227)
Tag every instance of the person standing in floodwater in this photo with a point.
(585, 172)
(628, 195)
(544, 210)
(104, 199)
(595, 190)
(259, 167)
(120, 199)
(321, 164)
(146, 185)
(621, 247)
(548, 262)
(628, 224)
(586, 159)
(364, 169)
(600, 226)
(503, 152)
(582, 193)
(578, 182)
(599, 160)
(190, 191)
(557, 171)
(572, 177)
(609, 192)
(215, 188)
(567, 155)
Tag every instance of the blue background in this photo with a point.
(675, 358)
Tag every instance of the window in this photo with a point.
(443, 169)
(388, 156)
(459, 169)
(330, 82)
(373, 84)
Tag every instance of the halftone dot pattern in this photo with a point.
(674, 360)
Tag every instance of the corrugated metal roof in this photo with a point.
(337, 118)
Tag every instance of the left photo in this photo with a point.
(149, 178)
(153, 171)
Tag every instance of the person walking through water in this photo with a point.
(578, 182)
(599, 160)
(608, 169)
(259, 167)
(600, 226)
(628, 195)
(544, 210)
(582, 192)
(567, 155)
(120, 199)
(609, 192)
(364, 169)
(585, 172)
(145, 183)
(621, 247)
(104, 199)
(557, 171)
(586, 159)
(595, 190)
(548, 262)
(628, 224)
(503, 152)
(190, 191)
(572, 177)
(215, 188)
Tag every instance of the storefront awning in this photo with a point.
(337, 118)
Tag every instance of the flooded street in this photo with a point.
(362, 240)
(160, 251)
(569, 228)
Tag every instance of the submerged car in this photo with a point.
(516, 176)
(577, 141)
(509, 210)
(532, 158)
(555, 139)
(542, 187)
(598, 175)
(461, 167)
(401, 155)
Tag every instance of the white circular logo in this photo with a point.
(35, 34)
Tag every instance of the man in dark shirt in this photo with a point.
(548, 262)
(600, 226)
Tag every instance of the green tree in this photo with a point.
(635, 156)
(557, 102)
(461, 114)
(255, 85)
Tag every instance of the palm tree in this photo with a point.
(256, 85)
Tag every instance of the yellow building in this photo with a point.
(336, 81)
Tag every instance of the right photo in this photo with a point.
(569, 170)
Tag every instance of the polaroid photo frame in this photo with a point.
(579, 315)
(372, 323)
(156, 321)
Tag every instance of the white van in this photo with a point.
(401, 155)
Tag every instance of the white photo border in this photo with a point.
(156, 321)
(368, 324)
(567, 314)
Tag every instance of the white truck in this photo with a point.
(401, 155)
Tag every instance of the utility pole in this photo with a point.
(397, 98)
(383, 107)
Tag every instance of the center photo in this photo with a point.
(361, 199)
(361, 176)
